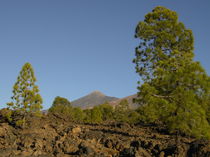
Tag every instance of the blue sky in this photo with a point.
(78, 46)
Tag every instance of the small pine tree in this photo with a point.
(96, 115)
(26, 97)
(176, 89)
(133, 117)
(78, 114)
(93, 115)
(107, 111)
(123, 106)
(62, 109)
(122, 111)
(61, 101)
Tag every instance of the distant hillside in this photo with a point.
(128, 98)
(92, 99)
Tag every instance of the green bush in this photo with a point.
(133, 117)
(61, 101)
(107, 111)
(20, 123)
(78, 114)
(93, 115)
(63, 109)
(122, 111)
(63, 106)
(6, 115)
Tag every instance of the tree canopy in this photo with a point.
(61, 101)
(26, 97)
(175, 89)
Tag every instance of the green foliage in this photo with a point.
(121, 111)
(26, 97)
(87, 117)
(133, 117)
(123, 106)
(61, 109)
(20, 123)
(6, 115)
(97, 114)
(107, 111)
(61, 101)
(63, 106)
(175, 89)
(93, 115)
(78, 114)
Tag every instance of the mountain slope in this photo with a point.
(128, 98)
(92, 99)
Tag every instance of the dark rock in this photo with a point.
(136, 144)
(70, 146)
(51, 136)
(199, 148)
(84, 149)
(128, 152)
(119, 146)
(142, 153)
(123, 125)
(109, 143)
(170, 150)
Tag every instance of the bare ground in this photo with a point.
(55, 136)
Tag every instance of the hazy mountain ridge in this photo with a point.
(92, 99)
(128, 98)
(96, 98)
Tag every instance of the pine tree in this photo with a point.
(122, 111)
(175, 88)
(107, 111)
(61, 101)
(63, 107)
(26, 97)
(96, 115)
(123, 106)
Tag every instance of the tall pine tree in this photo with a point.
(26, 97)
(175, 88)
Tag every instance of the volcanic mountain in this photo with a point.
(128, 98)
(92, 99)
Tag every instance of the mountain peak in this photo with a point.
(92, 99)
(96, 92)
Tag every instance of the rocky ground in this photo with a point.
(54, 136)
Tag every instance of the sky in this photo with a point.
(79, 46)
